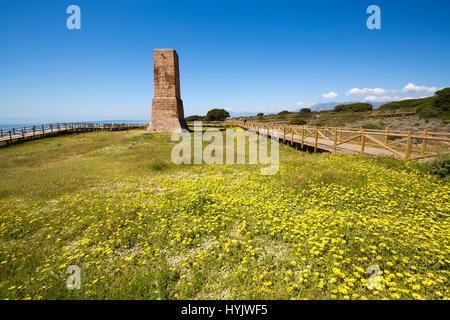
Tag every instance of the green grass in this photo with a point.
(141, 227)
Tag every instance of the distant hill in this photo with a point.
(437, 106)
(330, 105)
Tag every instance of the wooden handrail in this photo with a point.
(9, 135)
(411, 145)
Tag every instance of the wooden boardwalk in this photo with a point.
(400, 144)
(407, 145)
(396, 113)
(34, 132)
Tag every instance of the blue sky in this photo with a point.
(245, 56)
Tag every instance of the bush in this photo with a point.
(408, 104)
(194, 118)
(305, 110)
(441, 167)
(217, 115)
(437, 106)
(354, 107)
(283, 112)
(375, 125)
(427, 111)
(442, 100)
(297, 121)
(260, 114)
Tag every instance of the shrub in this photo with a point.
(297, 121)
(194, 118)
(427, 111)
(283, 112)
(375, 125)
(217, 115)
(408, 104)
(441, 167)
(158, 165)
(305, 110)
(442, 100)
(260, 114)
(354, 107)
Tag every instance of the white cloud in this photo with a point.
(407, 98)
(303, 104)
(366, 92)
(330, 95)
(412, 88)
(380, 99)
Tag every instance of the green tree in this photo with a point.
(217, 115)
(194, 118)
(305, 110)
(442, 101)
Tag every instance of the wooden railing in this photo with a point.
(407, 145)
(395, 113)
(37, 131)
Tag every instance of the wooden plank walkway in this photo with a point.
(396, 113)
(34, 132)
(400, 144)
(407, 145)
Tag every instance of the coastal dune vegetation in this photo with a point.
(140, 227)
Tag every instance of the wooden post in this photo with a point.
(386, 136)
(14, 131)
(316, 135)
(1, 132)
(424, 143)
(334, 140)
(43, 129)
(303, 136)
(292, 136)
(363, 141)
(51, 128)
(23, 132)
(360, 128)
(10, 136)
(408, 146)
(34, 131)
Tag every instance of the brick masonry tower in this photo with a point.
(167, 106)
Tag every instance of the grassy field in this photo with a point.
(141, 227)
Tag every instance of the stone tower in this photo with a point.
(167, 106)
